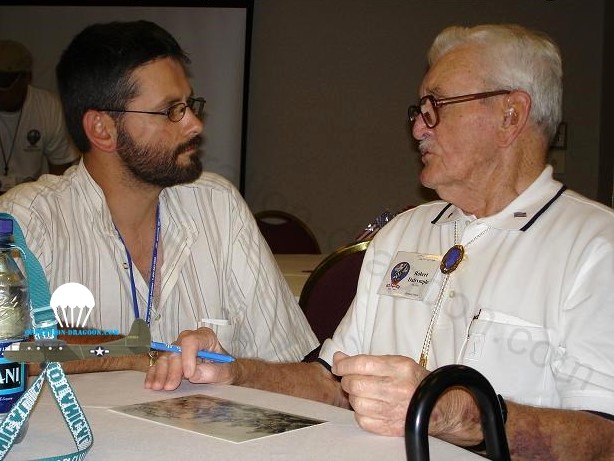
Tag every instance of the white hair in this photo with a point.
(518, 59)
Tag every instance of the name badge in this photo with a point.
(409, 275)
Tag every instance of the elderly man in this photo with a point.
(510, 273)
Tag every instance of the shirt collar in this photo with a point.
(521, 213)
(93, 198)
(96, 204)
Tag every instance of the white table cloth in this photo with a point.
(121, 437)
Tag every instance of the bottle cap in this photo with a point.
(6, 226)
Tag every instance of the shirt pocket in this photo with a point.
(224, 329)
(514, 355)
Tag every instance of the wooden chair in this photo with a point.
(285, 233)
(330, 289)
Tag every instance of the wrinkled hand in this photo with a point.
(380, 388)
(171, 368)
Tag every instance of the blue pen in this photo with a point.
(213, 356)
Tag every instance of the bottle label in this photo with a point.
(12, 383)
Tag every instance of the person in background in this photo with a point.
(138, 222)
(510, 273)
(33, 138)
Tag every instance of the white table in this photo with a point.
(296, 269)
(121, 437)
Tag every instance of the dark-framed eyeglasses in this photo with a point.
(429, 105)
(175, 113)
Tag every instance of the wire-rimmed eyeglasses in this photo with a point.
(428, 105)
(175, 113)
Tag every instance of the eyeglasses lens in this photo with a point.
(429, 113)
(196, 105)
(176, 112)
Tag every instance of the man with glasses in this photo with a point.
(138, 222)
(33, 137)
(510, 273)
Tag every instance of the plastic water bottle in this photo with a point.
(14, 320)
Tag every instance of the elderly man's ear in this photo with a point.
(514, 116)
(510, 116)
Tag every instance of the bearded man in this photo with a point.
(138, 222)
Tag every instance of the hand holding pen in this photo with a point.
(213, 368)
(206, 355)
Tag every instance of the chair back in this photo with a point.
(330, 289)
(286, 234)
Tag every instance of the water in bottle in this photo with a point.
(14, 320)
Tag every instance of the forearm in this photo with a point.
(307, 380)
(533, 433)
(138, 362)
(539, 433)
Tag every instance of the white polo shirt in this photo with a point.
(216, 269)
(32, 138)
(531, 306)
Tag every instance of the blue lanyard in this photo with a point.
(152, 276)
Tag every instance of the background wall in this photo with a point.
(330, 84)
(214, 38)
(605, 190)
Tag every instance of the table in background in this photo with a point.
(121, 437)
(296, 269)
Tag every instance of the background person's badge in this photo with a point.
(33, 136)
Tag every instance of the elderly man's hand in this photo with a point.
(170, 368)
(380, 388)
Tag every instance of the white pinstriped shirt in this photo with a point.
(216, 264)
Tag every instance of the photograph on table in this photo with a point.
(220, 418)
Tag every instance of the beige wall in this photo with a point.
(330, 84)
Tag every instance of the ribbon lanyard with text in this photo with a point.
(44, 323)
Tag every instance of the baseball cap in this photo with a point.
(14, 57)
